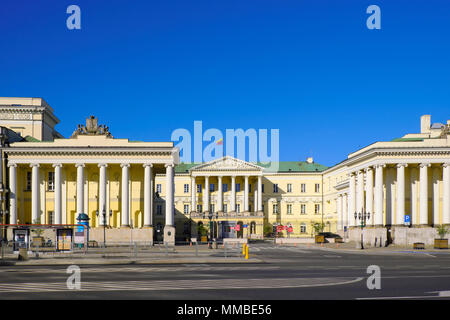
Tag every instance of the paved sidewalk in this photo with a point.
(148, 255)
(355, 247)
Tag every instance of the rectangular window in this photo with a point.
(225, 208)
(51, 181)
(275, 208)
(262, 188)
(186, 188)
(50, 219)
(212, 187)
(212, 207)
(225, 187)
(317, 208)
(289, 209)
(275, 188)
(199, 208)
(28, 185)
(303, 228)
(238, 208)
(317, 188)
(186, 209)
(289, 187)
(249, 187)
(303, 188)
(199, 188)
(303, 208)
(238, 187)
(158, 188)
(159, 209)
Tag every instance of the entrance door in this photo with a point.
(227, 229)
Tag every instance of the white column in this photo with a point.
(206, 195)
(378, 210)
(414, 208)
(148, 195)
(360, 192)
(401, 193)
(13, 193)
(352, 200)
(369, 194)
(423, 195)
(260, 208)
(255, 199)
(345, 210)
(233, 194)
(102, 193)
(246, 194)
(80, 188)
(446, 195)
(219, 194)
(57, 210)
(169, 195)
(125, 214)
(193, 195)
(436, 195)
(35, 193)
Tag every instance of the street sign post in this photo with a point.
(407, 220)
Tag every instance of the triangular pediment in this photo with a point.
(227, 163)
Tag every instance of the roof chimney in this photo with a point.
(425, 123)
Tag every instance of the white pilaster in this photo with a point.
(260, 208)
(206, 195)
(13, 193)
(423, 195)
(339, 212)
(401, 193)
(345, 210)
(219, 194)
(169, 195)
(193, 195)
(57, 209)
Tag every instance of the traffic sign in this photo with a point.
(279, 228)
(284, 227)
(245, 226)
(238, 227)
(407, 220)
(290, 229)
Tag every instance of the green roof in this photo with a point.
(31, 139)
(283, 166)
(406, 139)
(294, 166)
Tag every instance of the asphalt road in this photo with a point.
(286, 273)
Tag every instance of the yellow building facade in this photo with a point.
(142, 186)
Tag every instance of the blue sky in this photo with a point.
(308, 68)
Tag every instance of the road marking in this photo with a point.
(201, 267)
(196, 284)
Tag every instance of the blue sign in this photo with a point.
(407, 220)
(245, 226)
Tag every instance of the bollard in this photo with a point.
(243, 248)
(246, 252)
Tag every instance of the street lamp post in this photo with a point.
(104, 224)
(362, 216)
